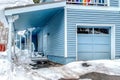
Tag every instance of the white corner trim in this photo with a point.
(105, 8)
(65, 32)
(119, 3)
(108, 2)
(113, 41)
(112, 26)
(76, 45)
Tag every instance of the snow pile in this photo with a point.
(110, 67)
(22, 56)
(4, 69)
(72, 70)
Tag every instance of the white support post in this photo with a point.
(31, 29)
(30, 43)
(20, 44)
(16, 40)
(9, 53)
(25, 42)
(9, 45)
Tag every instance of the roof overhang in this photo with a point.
(34, 7)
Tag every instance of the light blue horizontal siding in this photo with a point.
(55, 28)
(114, 3)
(77, 16)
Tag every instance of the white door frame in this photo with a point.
(112, 26)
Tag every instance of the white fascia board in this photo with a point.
(34, 8)
(105, 8)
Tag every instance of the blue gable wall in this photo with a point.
(55, 28)
(114, 3)
(55, 39)
(78, 16)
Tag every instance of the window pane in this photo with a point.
(101, 31)
(84, 30)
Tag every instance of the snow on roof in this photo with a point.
(27, 5)
(10, 3)
(34, 7)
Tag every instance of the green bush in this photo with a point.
(36, 1)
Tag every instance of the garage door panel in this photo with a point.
(101, 56)
(101, 48)
(85, 56)
(101, 40)
(85, 48)
(85, 39)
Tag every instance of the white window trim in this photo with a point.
(112, 37)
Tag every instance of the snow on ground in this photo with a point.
(71, 70)
(23, 71)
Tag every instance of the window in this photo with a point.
(89, 2)
(82, 30)
(101, 31)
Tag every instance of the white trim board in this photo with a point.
(65, 32)
(105, 8)
(112, 37)
(24, 9)
(108, 2)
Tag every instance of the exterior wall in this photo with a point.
(78, 16)
(61, 60)
(114, 3)
(55, 35)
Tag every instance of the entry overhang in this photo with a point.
(34, 7)
(37, 15)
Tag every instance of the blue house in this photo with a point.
(71, 30)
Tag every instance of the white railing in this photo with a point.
(89, 2)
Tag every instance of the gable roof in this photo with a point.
(34, 7)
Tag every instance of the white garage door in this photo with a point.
(93, 43)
